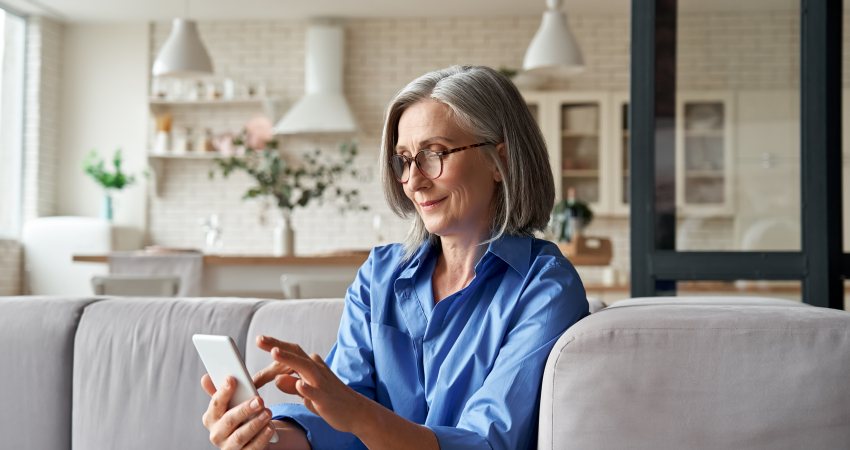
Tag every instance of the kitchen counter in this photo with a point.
(331, 259)
(257, 275)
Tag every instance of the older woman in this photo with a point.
(444, 337)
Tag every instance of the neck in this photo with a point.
(460, 255)
(455, 267)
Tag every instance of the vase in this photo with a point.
(106, 206)
(283, 236)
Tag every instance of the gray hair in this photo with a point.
(487, 104)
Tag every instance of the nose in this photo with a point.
(417, 181)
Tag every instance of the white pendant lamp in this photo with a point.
(183, 54)
(553, 50)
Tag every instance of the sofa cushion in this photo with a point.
(136, 372)
(36, 364)
(700, 373)
(312, 324)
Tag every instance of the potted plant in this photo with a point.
(570, 217)
(111, 181)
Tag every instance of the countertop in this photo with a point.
(330, 259)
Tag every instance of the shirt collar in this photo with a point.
(416, 260)
(512, 249)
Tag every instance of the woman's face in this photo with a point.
(457, 203)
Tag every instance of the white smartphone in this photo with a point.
(221, 359)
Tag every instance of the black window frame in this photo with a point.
(656, 265)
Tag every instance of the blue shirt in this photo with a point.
(470, 367)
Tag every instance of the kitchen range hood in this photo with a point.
(323, 109)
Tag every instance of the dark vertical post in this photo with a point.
(652, 149)
(666, 15)
(820, 83)
(642, 147)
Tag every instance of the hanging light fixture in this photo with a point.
(553, 50)
(183, 54)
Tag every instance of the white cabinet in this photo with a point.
(575, 127)
(620, 153)
(704, 156)
(587, 134)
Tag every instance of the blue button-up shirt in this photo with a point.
(468, 367)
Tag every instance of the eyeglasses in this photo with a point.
(429, 163)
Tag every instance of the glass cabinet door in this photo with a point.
(705, 144)
(581, 151)
(620, 154)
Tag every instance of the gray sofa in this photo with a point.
(121, 373)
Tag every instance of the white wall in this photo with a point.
(103, 106)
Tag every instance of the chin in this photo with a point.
(435, 227)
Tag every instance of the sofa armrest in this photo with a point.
(700, 373)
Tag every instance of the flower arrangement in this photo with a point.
(289, 183)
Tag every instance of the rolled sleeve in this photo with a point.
(459, 438)
(319, 433)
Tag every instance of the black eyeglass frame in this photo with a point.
(424, 152)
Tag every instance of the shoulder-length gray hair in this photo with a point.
(487, 104)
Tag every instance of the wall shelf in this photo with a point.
(209, 102)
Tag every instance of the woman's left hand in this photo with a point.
(323, 392)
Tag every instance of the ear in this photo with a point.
(502, 154)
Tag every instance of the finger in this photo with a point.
(267, 343)
(316, 358)
(219, 401)
(249, 430)
(269, 373)
(286, 383)
(235, 417)
(305, 390)
(309, 404)
(207, 384)
(303, 365)
(261, 440)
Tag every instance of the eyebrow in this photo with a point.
(430, 140)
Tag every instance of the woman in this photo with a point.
(444, 338)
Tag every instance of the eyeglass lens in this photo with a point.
(428, 163)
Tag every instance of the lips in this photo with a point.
(431, 203)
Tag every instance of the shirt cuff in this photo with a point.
(453, 438)
(319, 433)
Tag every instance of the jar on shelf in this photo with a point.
(205, 142)
(190, 140)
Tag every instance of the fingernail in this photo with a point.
(255, 404)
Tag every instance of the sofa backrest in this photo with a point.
(137, 375)
(36, 365)
(702, 373)
(312, 324)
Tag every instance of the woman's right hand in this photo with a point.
(236, 428)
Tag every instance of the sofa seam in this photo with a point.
(92, 301)
(552, 394)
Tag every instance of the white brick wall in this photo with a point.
(717, 51)
(10, 267)
(41, 127)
